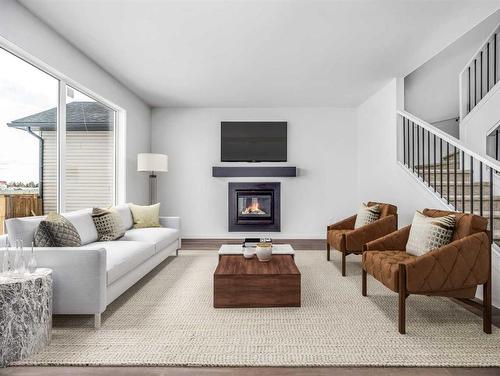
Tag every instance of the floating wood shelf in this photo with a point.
(242, 171)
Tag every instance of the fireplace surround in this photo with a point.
(254, 207)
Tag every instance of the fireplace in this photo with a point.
(254, 207)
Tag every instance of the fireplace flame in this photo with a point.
(253, 208)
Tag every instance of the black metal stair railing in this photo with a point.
(463, 179)
(480, 74)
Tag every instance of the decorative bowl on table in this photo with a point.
(248, 252)
(264, 251)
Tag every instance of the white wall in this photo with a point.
(321, 143)
(21, 28)
(432, 90)
(380, 177)
(481, 121)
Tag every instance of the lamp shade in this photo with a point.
(152, 162)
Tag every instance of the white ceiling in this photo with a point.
(259, 53)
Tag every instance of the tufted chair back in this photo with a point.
(385, 209)
(466, 224)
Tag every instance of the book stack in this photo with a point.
(252, 242)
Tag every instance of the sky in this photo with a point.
(24, 90)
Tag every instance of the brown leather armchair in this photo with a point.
(454, 270)
(344, 238)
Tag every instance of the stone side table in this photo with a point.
(25, 314)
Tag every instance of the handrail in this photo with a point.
(486, 160)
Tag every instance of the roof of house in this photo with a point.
(80, 116)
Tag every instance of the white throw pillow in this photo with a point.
(428, 233)
(367, 215)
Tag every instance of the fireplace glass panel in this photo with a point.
(255, 205)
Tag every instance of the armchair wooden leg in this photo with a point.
(363, 282)
(343, 264)
(402, 299)
(487, 307)
(327, 251)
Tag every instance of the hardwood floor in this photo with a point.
(257, 371)
(214, 244)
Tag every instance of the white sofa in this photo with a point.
(88, 278)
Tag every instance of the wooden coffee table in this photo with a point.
(250, 283)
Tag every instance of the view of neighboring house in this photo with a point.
(90, 139)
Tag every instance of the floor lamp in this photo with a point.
(152, 163)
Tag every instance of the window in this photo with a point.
(90, 145)
(52, 158)
(28, 103)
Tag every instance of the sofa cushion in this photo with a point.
(160, 237)
(124, 256)
(384, 266)
(56, 231)
(145, 216)
(82, 220)
(22, 228)
(125, 214)
(108, 224)
(25, 227)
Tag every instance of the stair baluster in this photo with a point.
(473, 91)
(452, 164)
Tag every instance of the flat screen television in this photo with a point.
(253, 141)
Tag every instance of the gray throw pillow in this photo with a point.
(108, 223)
(56, 231)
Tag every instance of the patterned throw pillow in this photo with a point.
(108, 224)
(146, 216)
(56, 231)
(366, 215)
(428, 233)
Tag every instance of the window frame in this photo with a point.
(119, 160)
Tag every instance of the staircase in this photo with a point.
(462, 179)
(463, 199)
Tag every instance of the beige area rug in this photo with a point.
(168, 319)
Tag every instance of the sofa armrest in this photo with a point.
(393, 241)
(4, 240)
(461, 264)
(357, 238)
(171, 222)
(79, 278)
(345, 224)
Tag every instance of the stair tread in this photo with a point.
(474, 197)
(459, 182)
(438, 171)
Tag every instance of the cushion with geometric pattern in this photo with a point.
(367, 215)
(428, 233)
(108, 223)
(56, 231)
